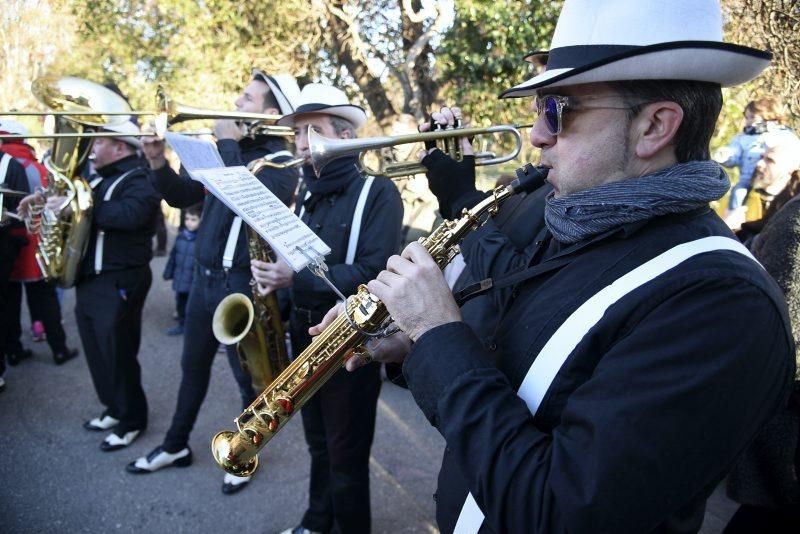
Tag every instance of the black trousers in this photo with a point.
(43, 305)
(108, 310)
(209, 287)
(339, 425)
(181, 299)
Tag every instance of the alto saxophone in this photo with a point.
(254, 326)
(365, 315)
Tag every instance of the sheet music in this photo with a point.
(246, 196)
(289, 237)
(194, 153)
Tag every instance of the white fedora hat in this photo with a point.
(320, 98)
(283, 86)
(129, 133)
(615, 40)
(10, 126)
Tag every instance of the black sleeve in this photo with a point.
(132, 208)
(17, 180)
(169, 268)
(453, 182)
(180, 191)
(666, 411)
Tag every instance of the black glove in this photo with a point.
(453, 182)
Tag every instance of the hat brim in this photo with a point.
(702, 61)
(284, 105)
(353, 114)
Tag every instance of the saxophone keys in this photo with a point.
(286, 405)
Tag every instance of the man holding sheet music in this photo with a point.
(360, 220)
(223, 262)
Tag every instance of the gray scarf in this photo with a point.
(677, 189)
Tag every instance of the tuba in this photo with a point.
(364, 316)
(63, 239)
(254, 326)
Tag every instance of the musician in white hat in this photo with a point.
(360, 218)
(612, 396)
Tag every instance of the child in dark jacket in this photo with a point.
(180, 265)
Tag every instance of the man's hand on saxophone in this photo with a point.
(417, 296)
(271, 276)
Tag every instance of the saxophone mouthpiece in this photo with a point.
(529, 178)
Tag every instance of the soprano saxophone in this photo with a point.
(237, 452)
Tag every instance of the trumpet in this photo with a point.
(51, 92)
(324, 149)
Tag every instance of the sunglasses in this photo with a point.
(554, 106)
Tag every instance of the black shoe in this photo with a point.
(233, 484)
(115, 442)
(14, 358)
(159, 458)
(65, 356)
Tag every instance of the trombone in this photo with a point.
(168, 113)
(323, 149)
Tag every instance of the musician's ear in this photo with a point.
(346, 134)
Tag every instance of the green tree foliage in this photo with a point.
(482, 54)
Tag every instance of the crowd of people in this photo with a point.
(604, 351)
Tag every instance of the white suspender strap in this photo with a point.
(101, 234)
(302, 207)
(558, 348)
(279, 154)
(358, 215)
(4, 161)
(230, 245)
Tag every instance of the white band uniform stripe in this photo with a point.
(558, 348)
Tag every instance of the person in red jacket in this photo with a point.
(41, 294)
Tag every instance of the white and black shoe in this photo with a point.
(113, 442)
(233, 484)
(159, 458)
(299, 530)
(99, 424)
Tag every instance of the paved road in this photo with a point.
(54, 478)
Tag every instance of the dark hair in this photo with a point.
(701, 103)
(768, 108)
(194, 209)
(342, 125)
(270, 101)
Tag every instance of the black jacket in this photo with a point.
(648, 413)
(182, 191)
(15, 179)
(331, 220)
(128, 219)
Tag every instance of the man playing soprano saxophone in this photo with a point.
(611, 396)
